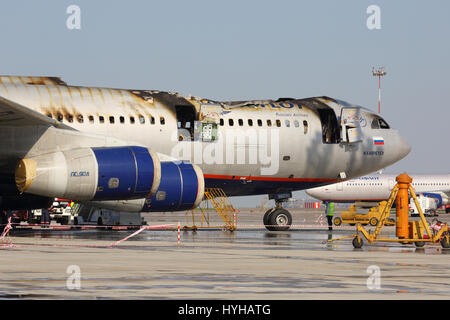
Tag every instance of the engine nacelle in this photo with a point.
(437, 197)
(182, 188)
(85, 174)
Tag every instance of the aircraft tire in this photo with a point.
(279, 220)
(266, 218)
(373, 221)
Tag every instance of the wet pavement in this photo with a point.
(249, 263)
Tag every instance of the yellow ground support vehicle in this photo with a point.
(372, 217)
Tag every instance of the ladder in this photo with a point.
(221, 204)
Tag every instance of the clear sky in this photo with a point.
(251, 50)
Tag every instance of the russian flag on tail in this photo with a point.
(378, 141)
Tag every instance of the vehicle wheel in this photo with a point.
(337, 221)
(357, 242)
(266, 218)
(373, 221)
(447, 210)
(280, 220)
(419, 244)
(445, 242)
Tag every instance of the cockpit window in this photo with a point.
(383, 124)
(379, 123)
(375, 124)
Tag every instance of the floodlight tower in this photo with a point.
(379, 73)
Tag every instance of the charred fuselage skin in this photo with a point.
(258, 147)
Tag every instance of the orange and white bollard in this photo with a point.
(179, 234)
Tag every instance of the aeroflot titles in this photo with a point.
(279, 105)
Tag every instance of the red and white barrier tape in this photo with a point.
(6, 233)
(163, 226)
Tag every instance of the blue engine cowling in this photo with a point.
(124, 173)
(436, 196)
(182, 187)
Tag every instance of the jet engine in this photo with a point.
(182, 187)
(107, 173)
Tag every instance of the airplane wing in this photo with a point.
(13, 114)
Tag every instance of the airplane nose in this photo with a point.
(404, 148)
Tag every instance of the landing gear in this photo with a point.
(278, 218)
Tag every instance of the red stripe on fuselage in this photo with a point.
(226, 177)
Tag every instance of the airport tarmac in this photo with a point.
(249, 263)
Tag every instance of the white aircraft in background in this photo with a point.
(378, 187)
(119, 149)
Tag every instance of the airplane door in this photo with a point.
(339, 186)
(209, 120)
(351, 125)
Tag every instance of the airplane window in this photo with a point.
(250, 122)
(259, 123)
(278, 122)
(269, 123)
(162, 120)
(91, 119)
(141, 119)
(131, 120)
(49, 115)
(59, 117)
(111, 119)
(122, 119)
(375, 124)
(70, 118)
(305, 126)
(80, 118)
(152, 120)
(288, 123)
(221, 122)
(296, 124)
(241, 123)
(230, 122)
(383, 124)
(101, 119)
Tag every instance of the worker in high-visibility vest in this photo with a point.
(330, 212)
